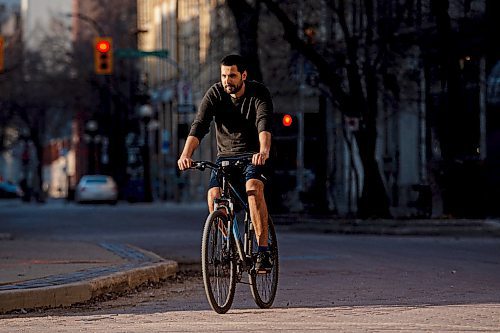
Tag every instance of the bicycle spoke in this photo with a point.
(218, 270)
(264, 286)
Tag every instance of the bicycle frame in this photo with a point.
(226, 202)
(229, 193)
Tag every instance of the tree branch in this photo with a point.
(327, 74)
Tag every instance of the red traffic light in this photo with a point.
(103, 55)
(103, 46)
(287, 120)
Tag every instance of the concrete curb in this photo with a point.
(71, 293)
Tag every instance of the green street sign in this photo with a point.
(132, 53)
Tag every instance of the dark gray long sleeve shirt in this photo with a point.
(238, 122)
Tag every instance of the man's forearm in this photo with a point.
(190, 146)
(265, 142)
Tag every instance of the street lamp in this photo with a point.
(92, 139)
(146, 112)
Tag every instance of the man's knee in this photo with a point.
(212, 194)
(255, 187)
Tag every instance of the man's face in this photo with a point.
(231, 79)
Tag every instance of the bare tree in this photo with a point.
(359, 58)
(246, 15)
(40, 102)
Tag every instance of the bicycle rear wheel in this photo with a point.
(264, 286)
(218, 268)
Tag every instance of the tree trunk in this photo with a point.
(374, 201)
(37, 138)
(247, 20)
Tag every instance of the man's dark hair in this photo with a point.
(234, 59)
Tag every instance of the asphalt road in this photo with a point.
(327, 282)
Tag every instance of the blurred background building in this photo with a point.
(393, 106)
(10, 27)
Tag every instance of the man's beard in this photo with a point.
(231, 89)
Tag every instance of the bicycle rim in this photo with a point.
(218, 268)
(264, 286)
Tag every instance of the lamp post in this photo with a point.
(146, 112)
(92, 139)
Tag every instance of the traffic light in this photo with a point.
(285, 125)
(103, 55)
(287, 120)
(285, 133)
(1, 54)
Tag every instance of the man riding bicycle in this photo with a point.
(242, 111)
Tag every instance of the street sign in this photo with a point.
(133, 53)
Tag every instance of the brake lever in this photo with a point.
(198, 165)
(243, 162)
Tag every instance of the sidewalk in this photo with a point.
(397, 227)
(50, 274)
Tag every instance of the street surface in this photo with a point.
(327, 282)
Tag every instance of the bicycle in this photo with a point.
(225, 255)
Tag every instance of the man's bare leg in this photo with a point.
(258, 210)
(213, 193)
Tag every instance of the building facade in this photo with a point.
(195, 41)
(10, 27)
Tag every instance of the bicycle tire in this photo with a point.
(217, 264)
(264, 286)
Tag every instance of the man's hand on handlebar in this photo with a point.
(260, 158)
(184, 163)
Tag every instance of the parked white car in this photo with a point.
(96, 188)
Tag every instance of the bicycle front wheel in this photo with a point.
(264, 286)
(218, 268)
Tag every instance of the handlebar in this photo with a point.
(202, 165)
